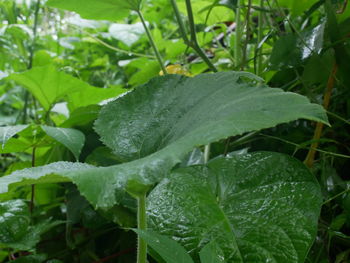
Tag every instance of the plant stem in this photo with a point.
(309, 160)
(238, 50)
(247, 24)
(180, 22)
(141, 224)
(30, 60)
(206, 153)
(260, 36)
(31, 207)
(193, 43)
(153, 44)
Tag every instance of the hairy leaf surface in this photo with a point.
(259, 207)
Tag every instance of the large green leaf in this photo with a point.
(98, 9)
(51, 173)
(179, 113)
(260, 207)
(159, 123)
(50, 86)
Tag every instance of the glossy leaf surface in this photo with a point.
(178, 113)
(42, 174)
(98, 9)
(211, 253)
(159, 123)
(49, 86)
(71, 138)
(9, 131)
(260, 207)
(16, 230)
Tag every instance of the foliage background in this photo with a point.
(295, 45)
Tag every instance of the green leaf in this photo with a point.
(98, 9)
(82, 116)
(168, 249)
(127, 33)
(39, 258)
(16, 230)
(259, 207)
(51, 173)
(71, 138)
(290, 50)
(50, 86)
(169, 116)
(8, 132)
(178, 113)
(211, 253)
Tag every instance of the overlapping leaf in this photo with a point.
(71, 138)
(156, 125)
(260, 207)
(16, 230)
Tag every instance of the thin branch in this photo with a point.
(153, 44)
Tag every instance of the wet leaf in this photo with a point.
(16, 229)
(259, 207)
(290, 50)
(162, 121)
(177, 112)
(211, 253)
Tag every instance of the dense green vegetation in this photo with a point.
(174, 131)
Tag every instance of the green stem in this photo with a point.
(260, 36)
(180, 22)
(193, 43)
(30, 61)
(141, 224)
(31, 207)
(153, 44)
(247, 25)
(238, 50)
(206, 153)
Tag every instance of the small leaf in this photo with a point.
(259, 207)
(168, 249)
(9, 131)
(126, 33)
(98, 9)
(71, 138)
